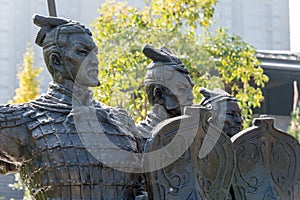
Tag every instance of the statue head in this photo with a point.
(226, 113)
(69, 51)
(167, 81)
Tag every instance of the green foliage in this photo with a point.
(294, 128)
(28, 83)
(21, 186)
(237, 64)
(120, 35)
(218, 60)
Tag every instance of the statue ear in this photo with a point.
(157, 93)
(55, 61)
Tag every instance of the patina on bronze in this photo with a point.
(40, 139)
(168, 87)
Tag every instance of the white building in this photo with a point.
(262, 23)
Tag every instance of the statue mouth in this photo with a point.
(93, 72)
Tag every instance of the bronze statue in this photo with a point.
(46, 139)
(226, 113)
(168, 86)
(173, 134)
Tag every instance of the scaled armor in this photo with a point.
(40, 140)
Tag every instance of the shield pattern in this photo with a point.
(268, 163)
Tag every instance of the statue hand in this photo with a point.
(143, 196)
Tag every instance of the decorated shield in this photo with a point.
(193, 161)
(268, 163)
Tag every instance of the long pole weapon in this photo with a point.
(52, 8)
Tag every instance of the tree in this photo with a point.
(237, 64)
(218, 60)
(28, 83)
(294, 128)
(28, 90)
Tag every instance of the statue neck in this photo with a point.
(80, 95)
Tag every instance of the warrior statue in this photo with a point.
(168, 87)
(41, 139)
(173, 134)
(225, 110)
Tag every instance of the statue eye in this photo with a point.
(82, 52)
(230, 114)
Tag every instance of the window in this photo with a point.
(276, 22)
(4, 16)
(276, 36)
(276, 10)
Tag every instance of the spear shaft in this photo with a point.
(52, 8)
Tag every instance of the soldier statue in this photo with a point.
(226, 113)
(168, 87)
(41, 140)
(173, 135)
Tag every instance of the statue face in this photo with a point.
(177, 94)
(230, 115)
(81, 60)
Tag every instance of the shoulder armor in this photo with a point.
(120, 117)
(14, 115)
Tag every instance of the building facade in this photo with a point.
(262, 23)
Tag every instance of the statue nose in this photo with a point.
(94, 58)
(238, 119)
(95, 61)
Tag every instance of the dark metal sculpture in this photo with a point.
(195, 163)
(226, 113)
(168, 86)
(268, 163)
(201, 162)
(47, 140)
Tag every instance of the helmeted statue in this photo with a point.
(168, 86)
(226, 113)
(174, 133)
(55, 141)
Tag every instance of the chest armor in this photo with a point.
(62, 167)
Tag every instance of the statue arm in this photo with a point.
(10, 151)
(13, 137)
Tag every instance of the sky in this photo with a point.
(295, 25)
